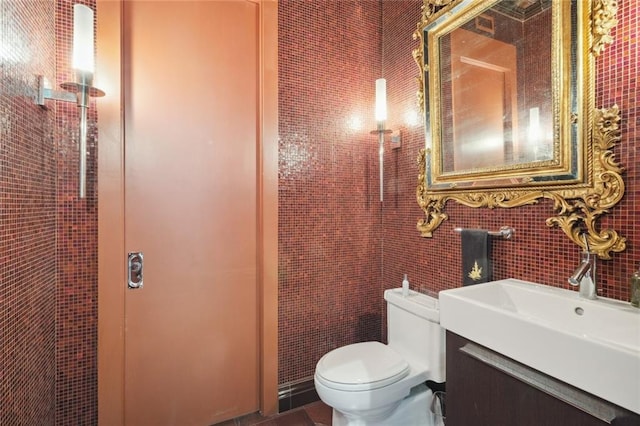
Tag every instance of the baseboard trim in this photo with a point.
(296, 394)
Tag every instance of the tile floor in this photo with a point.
(314, 414)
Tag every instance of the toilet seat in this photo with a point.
(361, 367)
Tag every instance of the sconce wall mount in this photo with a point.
(381, 117)
(82, 89)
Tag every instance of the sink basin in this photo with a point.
(593, 345)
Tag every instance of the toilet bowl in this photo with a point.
(371, 384)
(367, 382)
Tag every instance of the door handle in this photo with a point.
(135, 268)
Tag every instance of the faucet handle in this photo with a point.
(579, 273)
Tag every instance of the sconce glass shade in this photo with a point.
(381, 99)
(83, 59)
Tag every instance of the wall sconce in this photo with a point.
(82, 89)
(381, 117)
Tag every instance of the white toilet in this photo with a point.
(371, 383)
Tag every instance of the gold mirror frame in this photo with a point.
(577, 206)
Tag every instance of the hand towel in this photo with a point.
(476, 263)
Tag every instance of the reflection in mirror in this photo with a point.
(496, 88)
(503, 86)
(507, 90)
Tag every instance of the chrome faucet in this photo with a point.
(585, 274)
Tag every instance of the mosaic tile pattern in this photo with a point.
(537, 253)
(27, 216)
(402, 251)
(338, 251)
(77, 248)
(618, 71)
(307, 287)
(329, 210)
(48, 248)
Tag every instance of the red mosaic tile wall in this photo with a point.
(76, 248)
(328, 196)
(537, 253)
(330, 236)
(27, 216)
(48, 243)
(402, 252)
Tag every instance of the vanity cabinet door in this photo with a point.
(489, 389)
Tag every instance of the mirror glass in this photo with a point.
(495, 91)
(507, 89)
(498, 91)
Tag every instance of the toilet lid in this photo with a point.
(361, 366)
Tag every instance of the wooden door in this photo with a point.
(190, 120)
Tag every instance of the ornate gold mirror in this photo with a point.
(507, 91)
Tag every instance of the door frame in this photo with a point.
(111, 244)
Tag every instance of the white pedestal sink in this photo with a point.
(593, 345)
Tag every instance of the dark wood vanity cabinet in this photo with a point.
(485, 388)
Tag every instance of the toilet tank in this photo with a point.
(414, 331)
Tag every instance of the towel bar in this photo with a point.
(505, 232)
